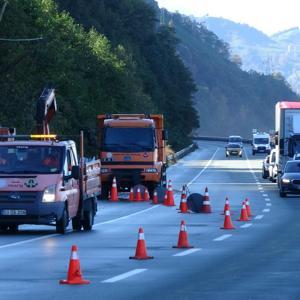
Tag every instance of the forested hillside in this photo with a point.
(118, 61)
(229, 100)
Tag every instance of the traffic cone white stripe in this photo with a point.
(141, 236)
(74, 255)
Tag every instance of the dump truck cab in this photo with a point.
(132, 149)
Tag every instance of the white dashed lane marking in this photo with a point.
(259, 217)
(268, 204)
(222, 237)
(266, 210)
(124, 276)
(246, 225)
(187, 252)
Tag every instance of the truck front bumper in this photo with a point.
(29, 209)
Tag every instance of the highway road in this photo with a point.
(259, 259)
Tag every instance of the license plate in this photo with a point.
(13, 212)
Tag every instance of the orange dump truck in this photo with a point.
(132, 149)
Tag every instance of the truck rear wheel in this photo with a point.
(76, 223)
(62, 223)
(88, 220)
(104, 191)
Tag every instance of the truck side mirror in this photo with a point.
(75, 172)
(165, 135)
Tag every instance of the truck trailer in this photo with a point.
(287, 133)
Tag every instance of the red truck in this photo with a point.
(43, 181)
(132, 149)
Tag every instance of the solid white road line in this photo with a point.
(95, 225)
(30, 240)
(124, 276)
(206, 166)
(222, 183)
(126, 217)
(222, 237)
(259, 217)
(187, 252)
(266, 210)
(246, 225)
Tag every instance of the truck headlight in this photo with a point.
(151, 170)
(49, 193)
(105, 170)
(285, 180)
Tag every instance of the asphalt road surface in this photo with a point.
(259, 259)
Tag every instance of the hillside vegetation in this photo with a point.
(265, 54)
(119, 61)
(229, 100)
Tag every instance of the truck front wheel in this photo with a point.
(88, 220)
(62, 223)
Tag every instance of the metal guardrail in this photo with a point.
(218, 139)
(172, 158)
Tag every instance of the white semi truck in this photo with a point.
(287, 133)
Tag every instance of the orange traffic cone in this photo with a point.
(74, 273)
(206, 208)
(183, 237)
(141, 251)
(170, 195)
(243, 216)
(166, 198)
(227, 221)
(226, 206)
(155, 198)
(138, 195)
(146, 195)
(247, 202)
(183, 204)
(114, 191)
(131, 195)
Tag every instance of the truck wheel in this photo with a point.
(282, 194)
(264, 175)
(62, 223)
(104, 191)
(88, 220)
(13, 228)
(76, 223)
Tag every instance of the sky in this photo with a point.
(269, 16)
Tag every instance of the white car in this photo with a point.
(272, 166)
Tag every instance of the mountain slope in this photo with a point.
(278, 53)
(229, 100)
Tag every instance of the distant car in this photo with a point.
(272, 166)
(290, 179)
(235, 139)
(234, 149)
(265, 167)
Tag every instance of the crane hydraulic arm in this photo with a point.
(46, 109)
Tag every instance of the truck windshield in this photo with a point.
(261, 141)
(22, 159)
(235, 139)
(128, 139)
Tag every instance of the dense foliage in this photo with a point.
(116, 63)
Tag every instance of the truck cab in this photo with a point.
(40, 184)
(132, 149)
